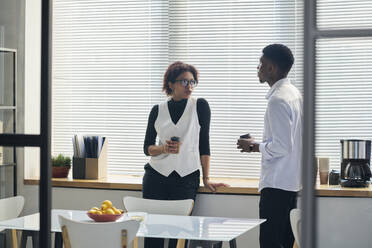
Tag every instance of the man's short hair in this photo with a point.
(280, 55)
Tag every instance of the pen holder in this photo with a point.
(91, 168)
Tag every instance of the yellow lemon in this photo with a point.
(104, 206)
(99, 212)
(92, 211)
(117, 211)
(108, 203)
(109, 211)
(94, 208)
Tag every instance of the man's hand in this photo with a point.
(247, 145)
(213, 186)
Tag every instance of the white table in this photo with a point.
(155, 226)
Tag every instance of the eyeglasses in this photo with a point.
(185, 82)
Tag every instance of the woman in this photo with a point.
(173, 170)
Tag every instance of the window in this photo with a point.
(344, 73)
(110, 56)
(344, 94)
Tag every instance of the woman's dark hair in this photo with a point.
(173, 71)
(280, 55)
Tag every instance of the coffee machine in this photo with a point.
(355, 163)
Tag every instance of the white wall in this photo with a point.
(343, 222)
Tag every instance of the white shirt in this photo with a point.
(281, 146)
(187, 129)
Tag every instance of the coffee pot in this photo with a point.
(355, 163)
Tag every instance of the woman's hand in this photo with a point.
(213, 186)
(171, 147)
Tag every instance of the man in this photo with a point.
(281, 148)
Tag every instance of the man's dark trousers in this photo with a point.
(275, 206)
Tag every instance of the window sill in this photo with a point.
(122, 182)
(237, 186)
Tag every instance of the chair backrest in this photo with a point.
(172, 207)
(11, 207)
(295, 217)
(97, 235)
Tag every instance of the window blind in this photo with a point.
(344, 73)
(344, 94)
(110, 56)
(108, 61)
(224, 40)
(344, 14)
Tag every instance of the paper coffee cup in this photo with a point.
(323, 166)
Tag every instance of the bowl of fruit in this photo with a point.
(106, 213)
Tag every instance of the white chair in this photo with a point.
(171, 207)
(295, 217)
(77, 234)
(11, 208)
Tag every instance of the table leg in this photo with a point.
(233, 243)
(58, 242)
(35, 239)
(24, 237)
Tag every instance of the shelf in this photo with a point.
(238, 186)
(9, 50)
(9, 106)
(8, 165)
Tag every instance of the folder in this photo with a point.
(91, 168)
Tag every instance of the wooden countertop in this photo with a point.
(237, 186)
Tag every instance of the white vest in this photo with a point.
(188, 129)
